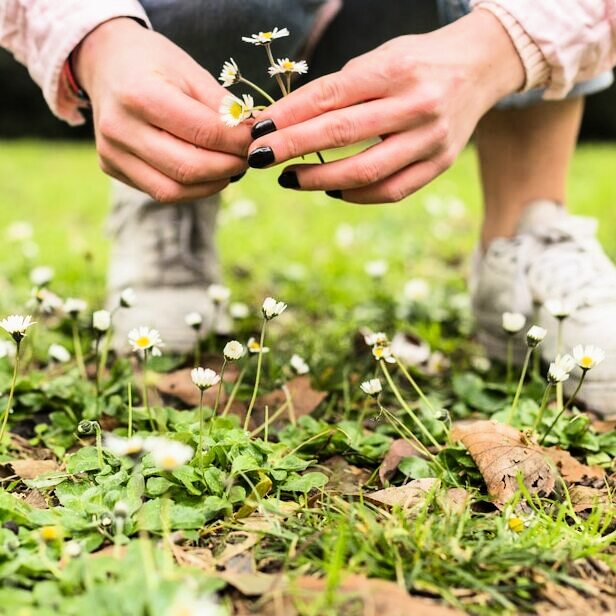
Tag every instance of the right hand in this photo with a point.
(156, 117)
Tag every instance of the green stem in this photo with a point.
(509, 359)
(416, 387)
(144, 390)
(219, 392)
(256, 88)
(406, 407)
(559, 346)
(104, 354)
(233, 394)
(201, 429)
(11, 393)
(99, 444)
(544, 405)
(516, 398)
(255, 389)
(270, 57)
(97, 376)
(130, 409)
(565, 407)
(197, 350)
(78, 350)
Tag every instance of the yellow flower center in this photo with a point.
(267, 35)
(586, 361)
(168, 462)
(49, 533)
(254, 346)
(143, 342)
(515, 524)
(378, 352)
(288, 65)
(236, 110)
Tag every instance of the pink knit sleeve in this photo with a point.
(560, 42)
(42, 33)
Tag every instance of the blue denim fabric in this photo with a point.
(450, 10)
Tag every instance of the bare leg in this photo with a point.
(524, 155)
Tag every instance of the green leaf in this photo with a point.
(416, 468)
(304, 483)
(86, 459)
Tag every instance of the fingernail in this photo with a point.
(334, 194)
(288, 179)
(261, 157)
(263, 127)
(237, 178)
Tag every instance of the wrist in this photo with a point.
(98, 44)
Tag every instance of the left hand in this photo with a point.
(422, 95)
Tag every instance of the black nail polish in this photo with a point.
(261, 157)
(334, 194)
(263, 127)
(237, 178)
(288, 179)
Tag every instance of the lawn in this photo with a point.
(331, 502)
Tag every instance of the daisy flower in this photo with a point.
(587, 357)
(42, 275)
(566, 362)
(265, 38)
(372, 387)
(535, 335)
(73, 306)
(233, 350)
(253, 346)
(376, 269)
(410, 351)
(19, 231)
(166, 454)
(230, 73)
(144, 339)
(299, 365)
(234, 110)
(58, 353)
(285, 66)
(194, 320)
(556, 373)
(559, 308)
(513, 322)
(47, 301)
(16, 325)
(239, 310)
(119, 446)
(383, 352)
(218, 293)
(185, 603)
(101, 320)
(416, 290)
(128, 298)
(7, 349)
(272, 308)
(375, 338)
(204, 378)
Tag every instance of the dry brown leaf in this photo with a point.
(501, 453)
(568, 601)
(455, 500)
(31, 469)
(607, 424)
(398, 450)
(585, 497)
(406, 496)
(36, 499)
(344, 478)
(571, 469)
(356, 594)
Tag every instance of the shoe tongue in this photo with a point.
(540, 214)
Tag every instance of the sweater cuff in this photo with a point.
(536, 68)
(59, 96)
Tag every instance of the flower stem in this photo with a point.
(258, 89)
(516, 398)
(406, 407)
(130, 409)
(559, 346)
(270, 57)
(11, 393)
(197, 350)
(565, 407)
(509, 359)
(78, 350)
(99, 444)
(416, 387)
(233, 394)
(544, 405)
(201, 429)
(257, 378)
(144, 390)
(219, 392)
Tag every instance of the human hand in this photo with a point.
(422, 95)
(156, 117)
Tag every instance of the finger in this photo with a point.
(334, 91)
(175, 158)
(177, 113)
(397, 186)
(368, 167)
(129, 169)
(335, 129)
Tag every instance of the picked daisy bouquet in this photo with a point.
(233, 109)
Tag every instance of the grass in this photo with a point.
(273, 488)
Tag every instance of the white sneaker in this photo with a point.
(167, 254)
(553, 256)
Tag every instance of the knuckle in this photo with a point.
(109, 125)
(329, 95)
(133, 100)
(367, 173)
(441, 131)
(208, 134)
(395, 193)
(165, 193)
(186, 173)
(292, 146)
(341, 132)
(446, 159)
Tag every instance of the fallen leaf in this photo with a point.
(585, 497)
(31, 469)
(36, 499)
(455, 500)
(406, 496)
(344, 478)
(571, 469)
(398, 450)
(501, 453)
(607, 424)
(252, 584)
(356, 594)
(567, 601)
